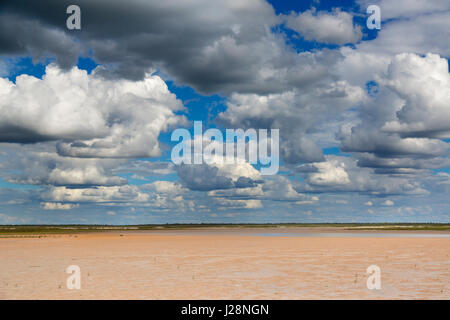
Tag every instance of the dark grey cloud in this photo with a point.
(20, 35)
(372, 161)
(212, 46)
(204, 177)
(18, 134)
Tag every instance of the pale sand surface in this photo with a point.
(224, 264)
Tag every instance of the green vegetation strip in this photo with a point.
(69, 229)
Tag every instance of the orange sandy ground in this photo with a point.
(223, 266)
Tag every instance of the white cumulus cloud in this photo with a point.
(95, 117)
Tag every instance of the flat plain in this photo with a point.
(228, 263)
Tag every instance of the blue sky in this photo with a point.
(89, 114)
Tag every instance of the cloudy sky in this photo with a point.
(86, 115)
